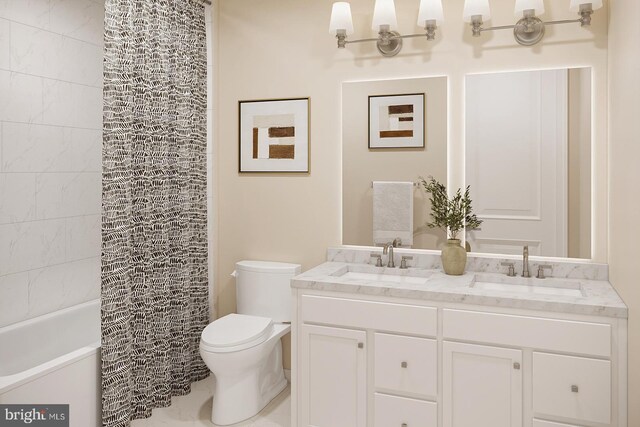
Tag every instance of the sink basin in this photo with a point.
(528, 286)
(388, 278)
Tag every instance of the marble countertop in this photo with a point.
(595, 297)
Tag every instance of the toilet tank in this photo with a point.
(263, 288)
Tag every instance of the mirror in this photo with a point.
(528, 161)
(392, 130)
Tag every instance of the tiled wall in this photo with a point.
(50, 154)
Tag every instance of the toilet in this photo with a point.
(243, 350)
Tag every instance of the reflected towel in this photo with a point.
(393, 212)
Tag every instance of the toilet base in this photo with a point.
(240, 396)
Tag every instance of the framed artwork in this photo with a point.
(397, 121)
(274, 135)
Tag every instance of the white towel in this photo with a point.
(393, 212)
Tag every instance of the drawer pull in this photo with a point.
(516, 365)
(404, 364)
(360, 345)
(405, 425)
(574, 388)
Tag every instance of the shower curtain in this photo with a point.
(154, 206)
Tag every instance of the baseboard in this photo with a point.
(287, 374)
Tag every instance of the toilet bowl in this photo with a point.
(244, 351)
(247, 364)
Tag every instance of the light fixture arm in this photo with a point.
(389, 42)
(530, 29)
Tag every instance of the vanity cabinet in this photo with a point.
(482, 385)
(334, 367)
(376, 361)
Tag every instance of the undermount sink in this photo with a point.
(528, 286)
(386, 275)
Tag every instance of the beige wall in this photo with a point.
(361, 165)
(282, 48)
(624, 202)
(579, 210)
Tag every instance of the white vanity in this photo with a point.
(379, 347)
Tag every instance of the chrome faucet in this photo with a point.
(388, 248)
(525, 262)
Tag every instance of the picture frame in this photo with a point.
(274, 136)
(397, 121)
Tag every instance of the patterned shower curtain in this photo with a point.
(154, 207)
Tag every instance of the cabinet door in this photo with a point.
(332, 377)
(482, 386)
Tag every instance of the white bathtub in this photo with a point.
(55, 359)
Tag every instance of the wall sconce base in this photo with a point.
(529, 30)
(389, 43)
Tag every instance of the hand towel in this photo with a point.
(393, 212)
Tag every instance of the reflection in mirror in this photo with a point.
(528, 161)
(391, 119)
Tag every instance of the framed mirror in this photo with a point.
(528, 147)
(393, 131)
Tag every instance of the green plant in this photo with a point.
(452, 215)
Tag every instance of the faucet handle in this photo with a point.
(378, 259)
(403, 261)
(512, 268)
(541, 269)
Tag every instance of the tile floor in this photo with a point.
(194, 410)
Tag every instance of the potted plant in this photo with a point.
(452, 215)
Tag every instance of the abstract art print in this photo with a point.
(274, 135)
(397, 121)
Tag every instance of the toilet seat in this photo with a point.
(235, 332)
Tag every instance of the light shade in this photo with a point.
(522, 5)
(575, 4)
(430, 10)
(341, 18)
(476, 7)
(384, 13)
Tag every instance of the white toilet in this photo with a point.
(243, 350)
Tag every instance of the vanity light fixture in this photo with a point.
(529, 29)
(389, 41)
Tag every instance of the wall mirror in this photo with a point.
(528, 161)
(392, 131)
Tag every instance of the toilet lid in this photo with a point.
(236, 330)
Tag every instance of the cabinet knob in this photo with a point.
(516, 365)
(360, 345)
(405, 425)
(404, 364)
(574, 388)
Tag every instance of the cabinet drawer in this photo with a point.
(406, 365)
(393, 411)
(572, 387)
(542, 423)
(533, 332)
(403, 318)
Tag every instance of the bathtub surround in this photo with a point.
(154, 217)
(50, 137)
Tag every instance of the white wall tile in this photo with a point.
(59, 286)
(57, 105)
(61, 195)
(80, 19)
(17, 197)
(88, 106)
(20, 97)
(30, 12)
(35, 51)
(28, 245)
(5, 44)
(40, 148)
(83, 237)
(80, 62)
(14, 296)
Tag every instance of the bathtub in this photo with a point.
(55, 359)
